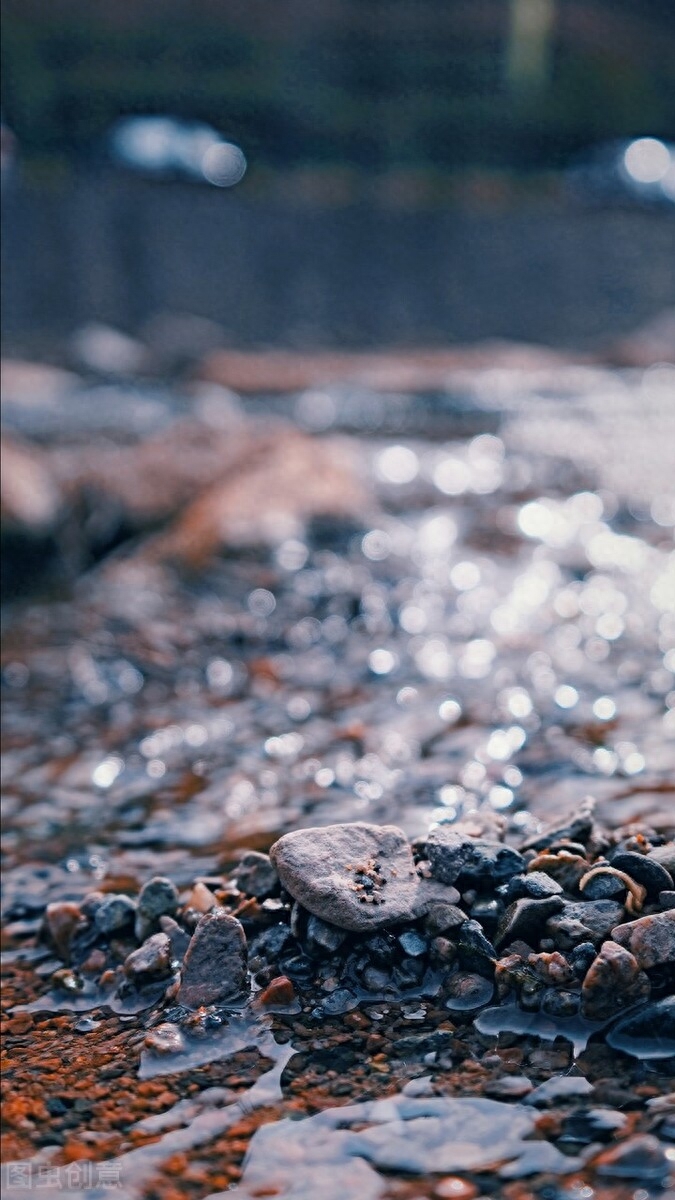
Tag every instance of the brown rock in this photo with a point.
(650, 939)
(613, 981)
(214, 968)
(279, 993)
(60, 922)
(152, 960)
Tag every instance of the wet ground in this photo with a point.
(493, 638)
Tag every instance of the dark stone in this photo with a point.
(592, 1125)
(256, 875)
(647, 1033)
(214, 969)
(525, 918)
(157, 898)
(640, 1157)
(577, 828)
(381, 948)
(537, 884)
(114, 913)
(273, 941)
(323, 939)
(487, 913)
(339, 1001)
(475, 952)
(413, 944)
(466, 993)
(442, 918)
(583, 921)
(604, 887)
(666, 900)
(456, 857)
(180, 940)
(581, 957)
(559, 1003)
(152, 960)
(647, 871)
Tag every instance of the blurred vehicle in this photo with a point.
(635, 171)
(166, 147)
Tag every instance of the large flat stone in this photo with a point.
(356, 876)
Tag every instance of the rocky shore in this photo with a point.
(576, 923)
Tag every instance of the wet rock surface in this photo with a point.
(487, 645)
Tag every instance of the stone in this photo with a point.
(604, 887)
(613, 981)
(537, 884)
(647, 871)
(581, 957)
(279, 993)
(179, 938)
(648, 1033)
(665, 856)
(256, 875)
(666, 900)
(152, 960)
(559, 1002)
(558, 1089)
(115, 912)
(509, 1087)
(583, 921)
(650, 939)
(487, 912)
(457, 858)
(475, 952)
(61, 919)
(358, 876)
(466, 993)
(157, 898)
(413, 944)
(165, 1039)
(321, 938)
(577, 828)
(442, 917)
(641, 1157)
(525, 918)
(214, 968)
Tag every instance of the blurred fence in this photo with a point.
(119, 250)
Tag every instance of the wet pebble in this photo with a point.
(321, 938)
(157, 898)
(613, 981)
(256, 875)
(475, 952)
(339, 1001)
(525, 919)
(279, 993)
(442, 917)
(650, 939)
(457, 858)
(165, 1039)
(412, 943)
(640, 1157)
(152, 960)
(537, 884)
(61, 920)
(115, 912)
(649, 872)
(465, 993)
(214, 968)
(589, 921)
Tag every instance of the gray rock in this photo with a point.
(441, 917)
(641, 1157)
(358, 877)
(256, 875)
(152, 960)
(648, 1033)
(559, 1088)
(577, 828)
(651, 939)
(214, 969)
(558, 1002)
(466, 993)
(589, 921)
(456, 857)
(665, 855)
(666, 900)
(322, 938)
(604, 887)
(114, 913)
(647, 871)
(525, 919)
(180, 940)
(413, 944)
(613, 982)
(475, 952)
(537, 884)
(157, 898)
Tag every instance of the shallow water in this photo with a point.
(498, 638)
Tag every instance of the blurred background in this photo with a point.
(339, 172)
